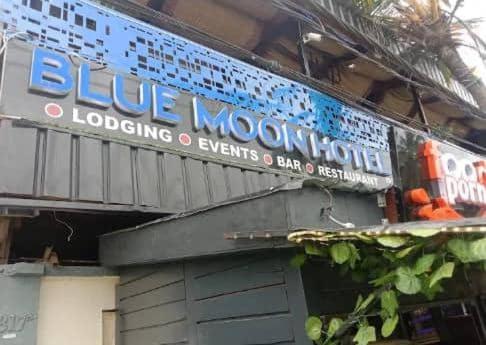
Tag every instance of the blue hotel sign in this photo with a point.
(158, 89)
(82, 98)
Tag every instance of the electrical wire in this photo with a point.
(329, 215)
(6, 37)
(287, 5)
(71, 230)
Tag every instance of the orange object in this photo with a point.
(435, 209)
(418, 196)
(428, 212)
(443, 211)
(423, 212)
(429, 155)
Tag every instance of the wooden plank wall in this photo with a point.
(52, 165)
(152, 305)
(239, 300)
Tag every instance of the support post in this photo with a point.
(420, 107)
(391, 209)
(5, 239)
(302, 54)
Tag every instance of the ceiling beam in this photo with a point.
(156, 4)
(376, 92)
(274, 29)
(430, 100)
(285, 51)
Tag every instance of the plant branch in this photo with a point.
(456, 7)
(354, 317)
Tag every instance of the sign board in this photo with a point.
(54, 89)
(457, 176)
(445, 171)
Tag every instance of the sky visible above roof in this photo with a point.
(474, 9)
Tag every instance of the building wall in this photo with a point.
(41, 304)
(71, 309)
(19, 298)
(160, 182)
(238, 300)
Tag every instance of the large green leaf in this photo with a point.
(430, 292)
(353, 255)
(460, 249)
(444, 271)
(298, 260)
(370, 261)
(313, 328)
(340, 252)
(364, 238)
(478, 249)
(392, 241)
(365, 335)
(404, 252)
(468, 251)
(389, 326)
(384, 279)
(334, 325)
(314, 249)
(424, 263)
(424, 232)
(406, 281)
(389, 302)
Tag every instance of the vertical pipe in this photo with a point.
(421, 110)
(391, 209)
(5, 240)
(303, 55)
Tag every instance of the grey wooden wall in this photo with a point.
(152, 304)
(252, 299)
(46, 168)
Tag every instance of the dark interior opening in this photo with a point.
(73, 237)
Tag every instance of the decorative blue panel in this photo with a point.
(95, 33)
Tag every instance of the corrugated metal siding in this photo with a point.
(41, 163)
(241, 300)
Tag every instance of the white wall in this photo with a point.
(71, 310)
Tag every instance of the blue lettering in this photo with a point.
(50, 73)
(164, 100)
(340, 152)
(123, 104)
(317, 146)
(203, 119)
(239, 131)
(265, 127)
(373, 162)
(356, 152)
(296, 139)
(84, 94)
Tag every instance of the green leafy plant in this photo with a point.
(411, 264)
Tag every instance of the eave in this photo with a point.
(206, 232)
